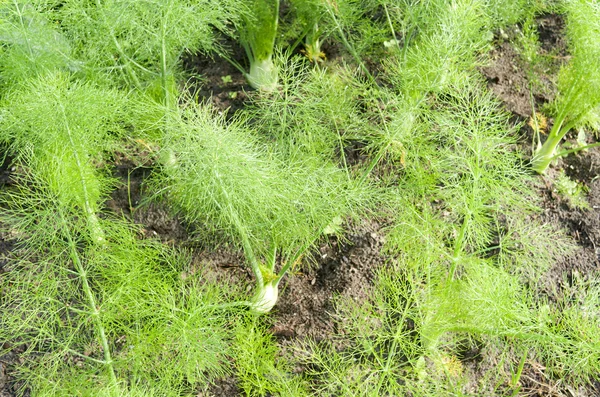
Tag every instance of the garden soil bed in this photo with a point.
(345, 267)
(508, 79)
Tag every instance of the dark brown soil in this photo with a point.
(508, 80)
(583, 225)
(343, 268)
(217, 81)
(550, 29)
(518, 83)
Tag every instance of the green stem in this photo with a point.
(341, 146)
(516, 377)
(384, 149)
(229, 305)
(272, 259)
(458, 247)
(95, 360)
(543, 157)
(459, 242)
(247, 248)
(97, 235)
(94, 227)
(233, 62)
(348, 46)
(374, 162)
(24, 29)
(130, 72)
(95, 312)
(389, 20)
(164, 73)
(396, 340)
(244, 236)
(292, 260)
(119, 49)
(577, 149)
(523, 335)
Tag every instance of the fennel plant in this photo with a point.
(440, 46)
(258, 31)
(222, 178)
(31, 44)
(51, 126)
(310, 16)
(260, 368)
(453, 286)
(351, 22)
(140, 44)
(94, 309)
(315, 113)
(445, 49)
(578, 81)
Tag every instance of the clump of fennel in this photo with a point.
(140, 43)
(31, 44)
(82, 280)
(234, 187)
(578, 81)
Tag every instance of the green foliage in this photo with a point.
(445, 50)
(571, 191)
(95, 310)
(173, 331)
(96, 307)
(60, 165)
(479, 168)
(406, 19)
(528, 248)
(508, 12)
(259, 369)
(574, 322)
(353, 24)
(310, 19)
(440, 48)
(220, 174)
(483, 300)
(315, 113)
(379, 344)
(163, 334)
(473, 134)
(528, 42)
(579, 81)
(30, 44)
(63, 129)
(453, 286)
(139, 43)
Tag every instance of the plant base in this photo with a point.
(263, 75)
